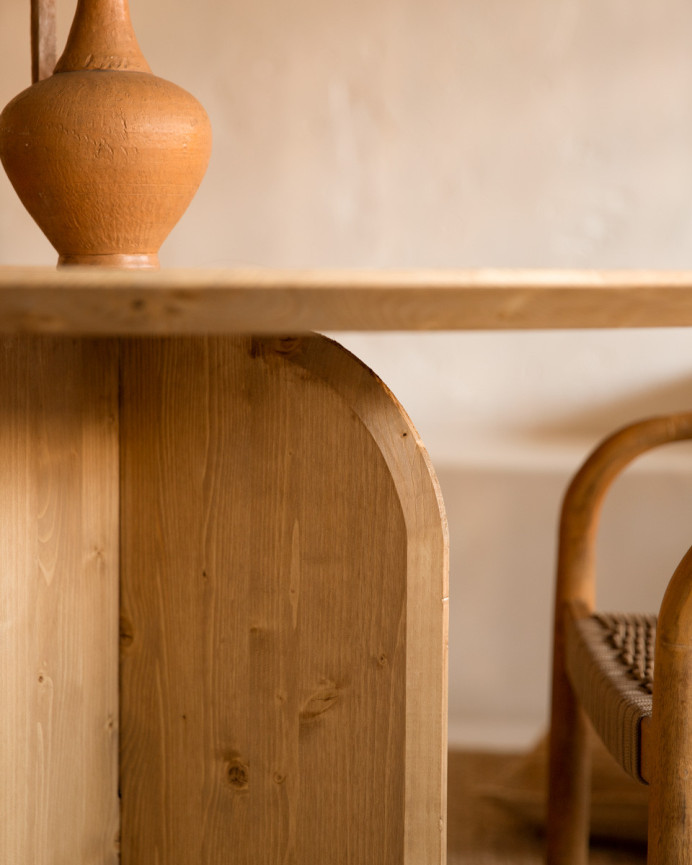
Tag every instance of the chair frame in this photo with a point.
(666, 753)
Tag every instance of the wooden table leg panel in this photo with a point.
(267, 655)
(58, 601)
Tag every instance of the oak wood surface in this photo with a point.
(670, 801)
(58, 601)
(197, 301)
(284, 610)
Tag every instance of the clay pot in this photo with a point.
(104, 155)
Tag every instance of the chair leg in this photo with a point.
(670, 794)
(569, 778)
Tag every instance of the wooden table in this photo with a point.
(224, 559)
(39, 300)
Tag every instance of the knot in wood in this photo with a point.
(237, 774)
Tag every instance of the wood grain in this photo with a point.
(39, 300)
(670, 800)
(284, 603)
(58, 601)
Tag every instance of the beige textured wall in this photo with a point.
(454, 133)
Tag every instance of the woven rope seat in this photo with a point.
(610, 662)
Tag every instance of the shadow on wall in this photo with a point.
(589, 422)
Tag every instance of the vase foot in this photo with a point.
(135, 261)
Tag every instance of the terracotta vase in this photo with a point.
(104, 155)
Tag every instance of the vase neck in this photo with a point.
(102, 37)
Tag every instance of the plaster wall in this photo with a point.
(453, 133)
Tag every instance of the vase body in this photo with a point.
(105, 155)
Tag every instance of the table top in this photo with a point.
(94, 302)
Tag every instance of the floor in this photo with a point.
(483, 831)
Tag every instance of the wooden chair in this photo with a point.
(604, 672)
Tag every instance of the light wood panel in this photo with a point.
(284, 611)
(58, 602)
(39, 300)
